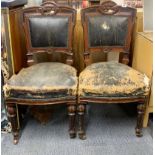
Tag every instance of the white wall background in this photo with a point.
(148, 15)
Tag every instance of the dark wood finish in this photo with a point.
(72, 120)
(140, 110)
(112, 100)
(47, 9)
(12, 115)
(81, 117)
(109, 8)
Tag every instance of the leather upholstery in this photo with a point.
(112, 79)
(107, 30)
(49, 31)
(43, 80)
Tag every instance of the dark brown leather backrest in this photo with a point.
(107, 31)
(108, 27)
(49, 28)
(49, 32)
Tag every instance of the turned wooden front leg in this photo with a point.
(140, 117)
(72, 116)
(81, 129)
(12, 116)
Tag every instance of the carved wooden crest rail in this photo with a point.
(108, 8)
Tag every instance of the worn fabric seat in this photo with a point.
(43, 80)
(112, 79)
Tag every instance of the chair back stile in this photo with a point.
(108, 28)
(49, 29)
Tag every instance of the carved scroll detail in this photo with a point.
(49, 8)
(108, 8)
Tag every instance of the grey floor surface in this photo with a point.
(110, 131)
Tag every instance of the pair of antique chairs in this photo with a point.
(49, 28)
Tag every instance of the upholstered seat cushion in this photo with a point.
(112, 79)
(50, 80)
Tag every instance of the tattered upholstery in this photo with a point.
(43, 80)
(112, 79)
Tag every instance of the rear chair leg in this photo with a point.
(81, 113)
(72, 116)
(12, 116)
(140, 117)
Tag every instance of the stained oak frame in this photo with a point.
(108, 8)
(70, 100)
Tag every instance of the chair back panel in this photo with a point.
(49, 28)
(49, 32)
(108, 28)
(107, 31)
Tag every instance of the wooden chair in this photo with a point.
(48, 29)
(108, 28)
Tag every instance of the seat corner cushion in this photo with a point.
(112, 79)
